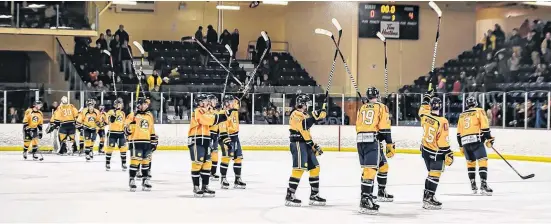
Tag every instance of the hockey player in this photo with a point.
(435, 146)
(139, 127)
(473, 132)
(198, 143)
(231, 150)
(101, 129)
(304, 151)
(372, 124)
(64, 118)
(89, 121)
(214, 131)
(115, 136)
(32, 129)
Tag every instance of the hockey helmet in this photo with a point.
(91, 102)
(211, 97)
(140, 102)
(200, 97)
(101, 108)
(118, 103)
(435, 104)
(302, 100)
(64, 100)
(471, 102)
(37, 104)
(372, 93)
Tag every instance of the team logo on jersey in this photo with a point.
(144, 124)
(119, 119)
(91, 119)
(35, 119)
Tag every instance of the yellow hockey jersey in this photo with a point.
(65, 114)
(139, 127)
(89, 119)
(373, 120)
(115, 119)
(232, 124)
(300, 124)
(472, 126)
(33, 119)
(435, 131)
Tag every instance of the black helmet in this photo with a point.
(117, 102)
(435, 103)
(471, 102)
(199, 98)
(371, 93)
(90, 102)
(140, 101)
(211, 96)
(229, 97)
(302, 100)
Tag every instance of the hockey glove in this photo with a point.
(449, 159)
(489, 142)
(462, 150)
(39, 135)
(428, 95)
(317, 150)
(390, 150)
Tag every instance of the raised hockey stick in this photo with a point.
(339, 28)
(112, 70)
(521, 176)
(217, 61)
(439, 13)
(383, 39)
(228, 75)
(246, 88)
(329, 34)
(138, 72)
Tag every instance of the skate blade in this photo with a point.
(146, 189)
(475, 192)
(431, 207)
(214, 178)
(132, 189)
(366, 211)
(239, 187)
(316, 203)
(225, 187)
(198, 195)
(208, 195)
(382, 199)
(484, 193)
(292, 204)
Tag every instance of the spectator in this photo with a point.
(212, 36)
(499, 34)
(529, 47)
(154, 80)
(108, 38)
(199, 38)
(155, 102)
(101, 42)
(123, 35)
(13, 117)
(540, 74)
(457, 86)
(272, 116)
(54, 106)
(126, 58)
(264, 80)
(535, 58)
(502, 65)
(489, 41)
(265, 67)
(261, 45)
(441, 88)
(199, 34)
(115, 47)
(225, 37)
(101, 88)
(524, 28)
(546, 47)
(514, 66)
(275, 72)
(235, 42)
(515, 39)
(490, 64)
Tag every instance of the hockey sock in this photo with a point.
(224, 166)
(134, 165)
(74, 147)
(108, 158)
(381, 180)
(431, 183)
(100, 145)
(63, 148)
(294, 180)
(483, 169)
(196, 173)
(145, 169)
(205, 177)
(237, 167)
(368, 176)
(314, 181)
(471, 170)
(81, 144)
(35, 149)
(123, 157)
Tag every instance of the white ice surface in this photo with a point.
(67, 189)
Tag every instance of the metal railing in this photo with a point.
(504, 109)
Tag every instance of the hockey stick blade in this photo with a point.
(435, 8)
(106, 52)
(229, 50)
(381, 36)
(528, 176)
(323, 32)
(264, 35)
(139, 46)
(336, 24)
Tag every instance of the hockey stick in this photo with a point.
(112, 70)
(523, 177)
(339, 28)
(228, 75)
(327, 33)
(217, 61)
(138, 74)
(251, 77)
(439, 13)
(383, 38)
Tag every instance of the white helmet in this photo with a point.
(64, 100)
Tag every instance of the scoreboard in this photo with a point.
(393, 21)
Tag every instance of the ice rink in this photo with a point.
(67, 189)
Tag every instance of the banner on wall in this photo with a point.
(390, 29)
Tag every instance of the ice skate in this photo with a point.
(214, 177)
(485, 190)
(107, 167)
(101, 152)
(124, 167)
(132, 185)
(239, 184)
(146, 186)
(474, 187)
(25, 155)
(88, 158)
(225, 183)
(316, 200)
(291, 200)
(197, 192)
(35, 157)
(368, 206)
(430, 202)
(207, 192)
(383, 196)
(139, 175)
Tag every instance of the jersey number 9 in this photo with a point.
(368, 116)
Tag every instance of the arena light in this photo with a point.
(36, 6)
(6, 16)
(275, 2)
(125, 2)
(538, 3)
(228, 7)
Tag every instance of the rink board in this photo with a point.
(514, 144)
